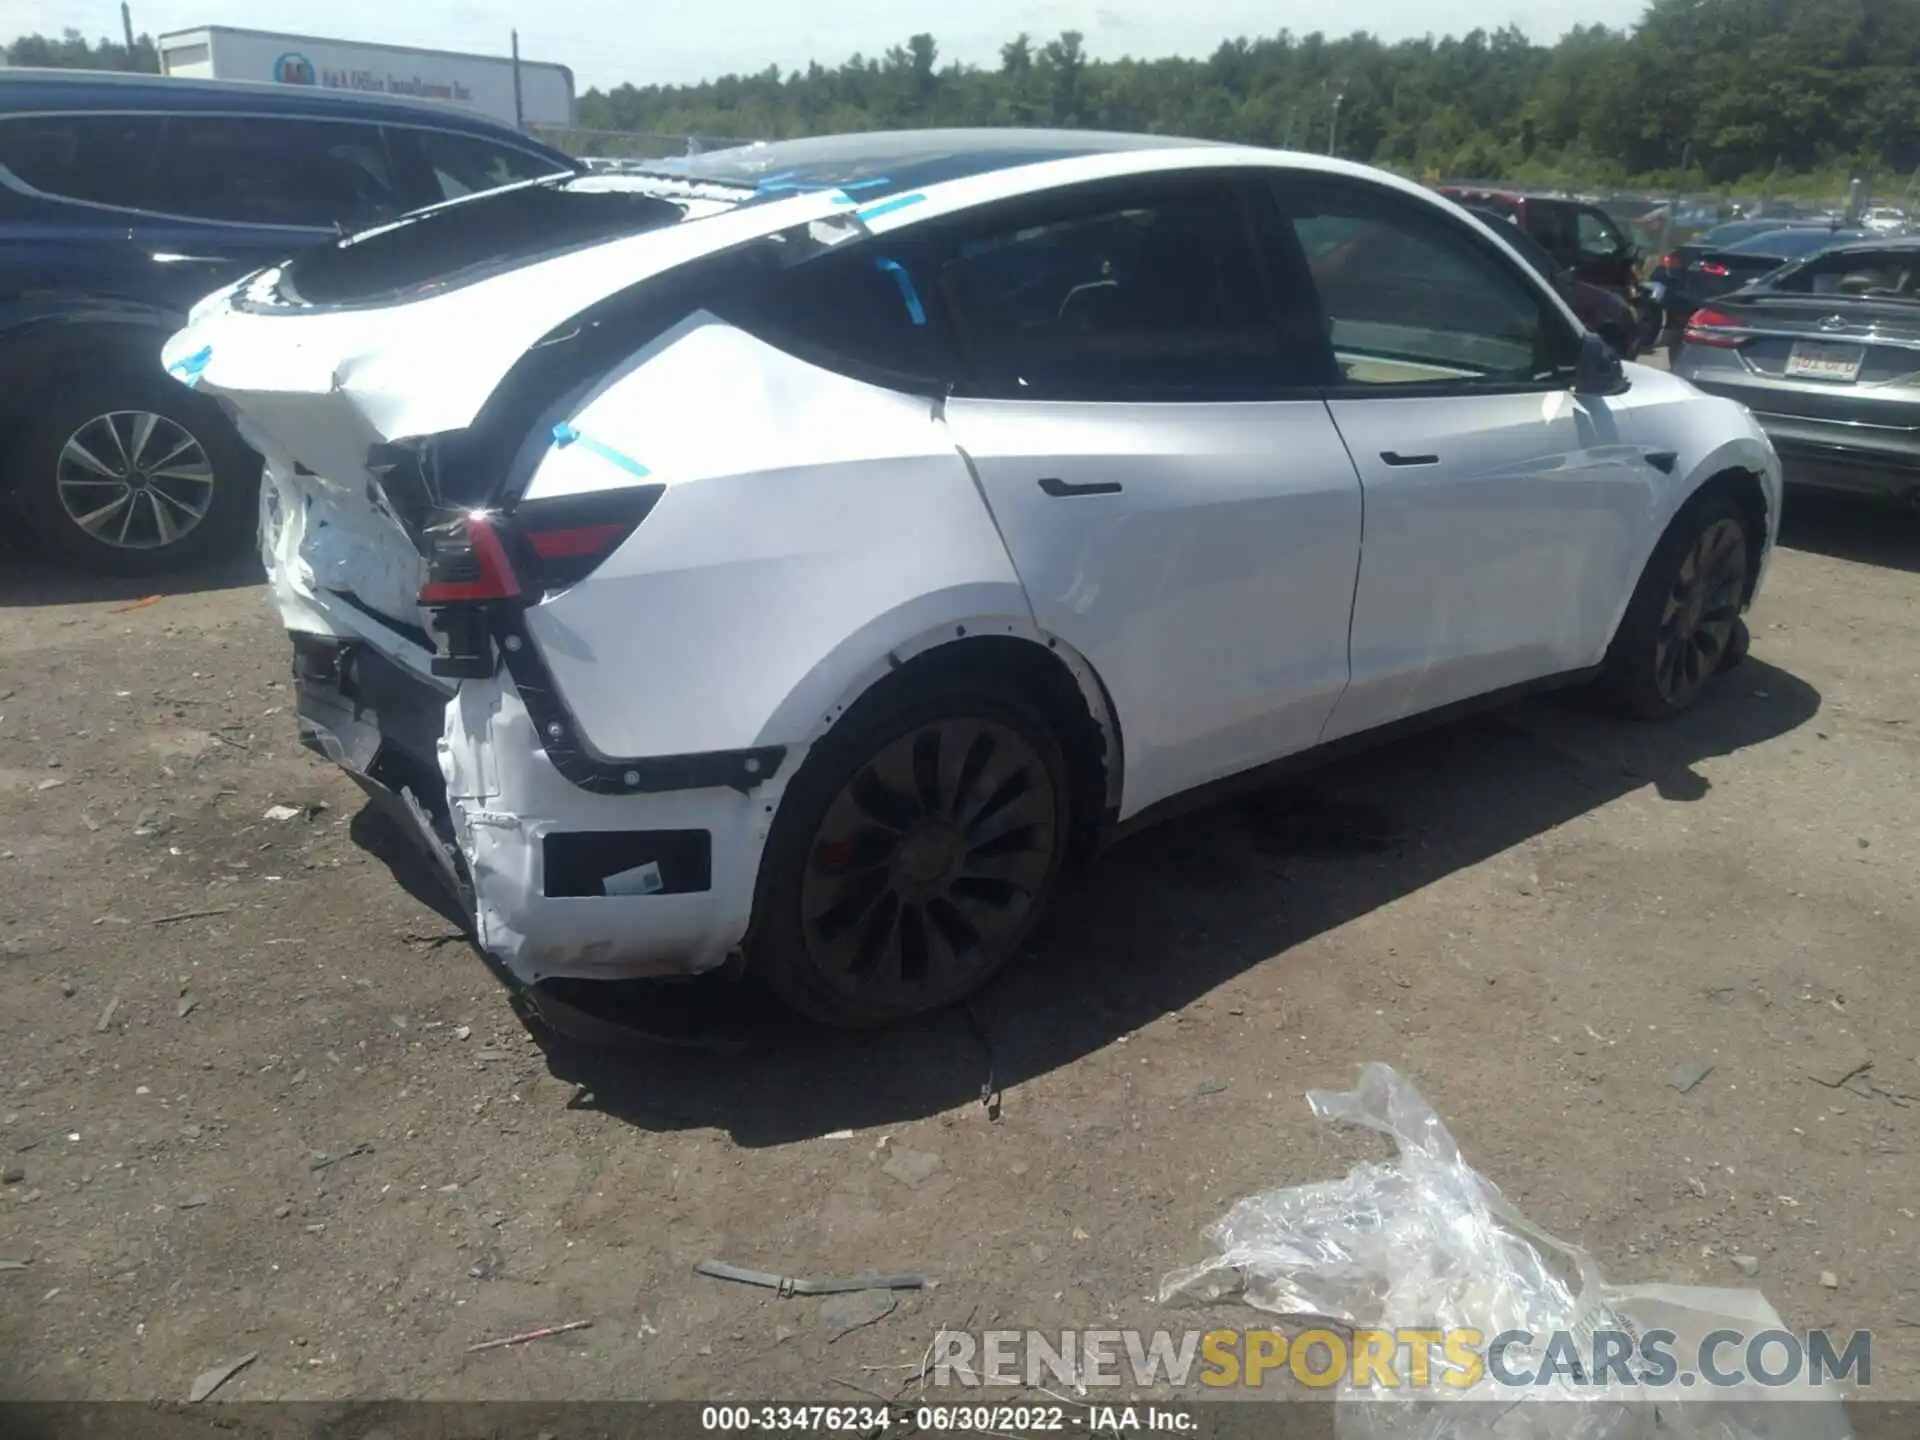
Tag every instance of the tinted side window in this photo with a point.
(863, 311)
(264, 170)
(1155, 297)
(465, 165)
(102, 158)
(1597, 235)
(1411, 298)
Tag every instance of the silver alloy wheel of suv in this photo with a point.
(134, 480)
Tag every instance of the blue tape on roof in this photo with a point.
(565, 435)
(908, 293)
(188, 368)
(803, 186)
(887, 207)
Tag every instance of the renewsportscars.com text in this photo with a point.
(1458, 1359)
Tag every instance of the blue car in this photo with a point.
(123, 200)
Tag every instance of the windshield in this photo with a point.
(1892, 274)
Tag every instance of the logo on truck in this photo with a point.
(294, 69)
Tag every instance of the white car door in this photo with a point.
(1503, 514)
(1156, 453)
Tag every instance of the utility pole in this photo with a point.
(519, 113)
(1333, 130)
(126, 26)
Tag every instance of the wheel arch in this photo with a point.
(1058, 677)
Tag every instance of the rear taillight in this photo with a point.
(1715, 269)
(478, 560)
(1668, 261)
(1714, 329)
(466, 562)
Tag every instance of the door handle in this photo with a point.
(1061, 490)
(1394, 457)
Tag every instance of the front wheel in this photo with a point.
(912, 853)
(1683, 624)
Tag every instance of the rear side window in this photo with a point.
(1411, 298)
(1153, 295)
(265, 170)
(466, 165)
(102, 158)
(864, 311)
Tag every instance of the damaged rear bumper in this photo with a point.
(558, 881)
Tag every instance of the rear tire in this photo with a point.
(913, 851)
(1683, 624)
(132, 474)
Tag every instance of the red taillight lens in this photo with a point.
(1715, 269)
(1712, 328)
(1668, 261)
(467, 562)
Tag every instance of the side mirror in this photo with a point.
(1599, 371)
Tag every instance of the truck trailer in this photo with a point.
(479, 82)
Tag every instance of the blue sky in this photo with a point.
(608, 41)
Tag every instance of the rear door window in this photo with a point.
(270, 170)
(105, 159)
(1154, 292)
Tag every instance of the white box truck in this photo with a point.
(479, 82)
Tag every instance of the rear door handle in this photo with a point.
(1394, 457)
(1060, 490)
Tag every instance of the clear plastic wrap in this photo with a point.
(1424, 1242)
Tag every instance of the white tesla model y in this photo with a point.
(795, 555)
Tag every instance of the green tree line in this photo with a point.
(1695, 93)
(1704, 92)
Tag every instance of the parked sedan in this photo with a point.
(1717, 271)
(1827, 356)
(806, 571)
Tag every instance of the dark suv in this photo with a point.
(123, 200)
(1580, 237)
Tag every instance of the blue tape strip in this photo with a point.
(908, 293)
(887, 207)
(565, 435)
(803, 186)
(188, 368)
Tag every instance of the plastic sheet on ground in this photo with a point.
(1423, 1241)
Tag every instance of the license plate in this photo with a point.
(1812, 360)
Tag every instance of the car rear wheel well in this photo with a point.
(1745, 489)
(1045, 677)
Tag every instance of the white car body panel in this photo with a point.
(810, 524)
(1262, 580)
(1211, 591)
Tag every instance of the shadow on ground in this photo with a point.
(1849, 527)
(1170, 914)
(27, 578)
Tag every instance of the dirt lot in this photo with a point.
(307, 1123)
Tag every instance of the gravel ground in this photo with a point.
(259, 1098)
